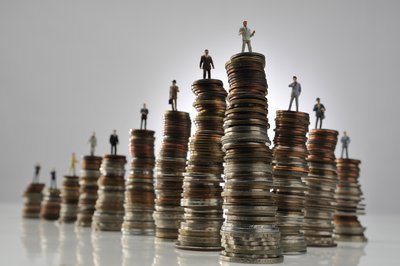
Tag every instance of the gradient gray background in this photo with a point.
(70, 67)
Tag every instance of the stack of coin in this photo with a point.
(250, 233)
(69, 199)
(349, 199)
(171, 164)
(32, 199)
(289, 167)
(50, 209)
(90, 173)
(109, 213)
(139, 194)
(201, 197)
(321, 183)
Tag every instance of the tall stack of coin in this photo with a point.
(139, 194)
(90, 173)
(201, 197)
(321, 183)
(289, 166)
(50, 209)
(349, 198)
(250, 233)
(109, 213)
(171, 164)
(69, 199)
(32, 199)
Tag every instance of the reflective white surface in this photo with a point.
(39, 242)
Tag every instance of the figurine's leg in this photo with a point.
(297, 103)
(249, 46)
(209, 73)
(290, 104)
(347, 153)
(145, 124)
(204, 73)
(320, 123)
(243, 46)
(316, 122)
(341, 155)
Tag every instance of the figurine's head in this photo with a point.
(174, 82)
(318, 100)
(94, 133)
(294, 78)
(144, 105)
(73, 154)
(345, 133)
(115, 131)
(206, 51)
(245, 23)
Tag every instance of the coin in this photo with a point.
(32, 200)
(50, 208)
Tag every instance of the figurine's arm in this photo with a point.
(212, 63)
(252, 34)
(299, 88)
(201, 61)
(291, 85)
(241, 31)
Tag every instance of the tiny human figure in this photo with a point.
(319, 109)
(114, 142)
(296, 91)
(72, 164)
(246, 36)
(37, 172)
(144, 111)
(53, 181)
(206, 63)
(173, 95)
(93, 143)
(345, 144)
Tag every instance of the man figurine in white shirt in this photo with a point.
(93, 143)
(296, 91)
(246, 36)
(345, 144)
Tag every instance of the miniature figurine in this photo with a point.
(206, 63)
(53, 181)
(72, 164)
(144, 111)
(246, 36)
(114, 142)
(319, 109)
(93, 143)
(173, 95)
(296, 91)
(37, 172)
(345, 144)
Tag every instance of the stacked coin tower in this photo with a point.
(170, 165)
(50, 209)
(69, 199)
(90, 173)
(289, 167)
(321, 183)
(250, 233)
(32, 199)
(349, 198)
(201, 198)
(139, 194)
(109, 212)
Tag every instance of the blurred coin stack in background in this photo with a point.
(170, 165)
(50, 209)
(349, 198)
(69, 199)
(289, 166)
(201, 197)
(321, 185)
(32, 200)
(139, 193)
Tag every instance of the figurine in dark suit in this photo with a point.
(345, 144)
(144, 111)
(37, 172)
(296, 91)
(114, 142)
(319, 110)
(53, 181)
(206, 63)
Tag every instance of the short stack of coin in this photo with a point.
(69, 199)
(50, 209)
(250, 233)
(201, 197)
(109, 213)
(170, 165)
(139, 194)
(349, 199)
(90, 173)
(32, 199)
(289, 166)
(321, 183)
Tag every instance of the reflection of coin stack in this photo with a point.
(290, 165)
(32, 199)
(69, 199)
(50, 209)
(88, 189)
(349, 202)
(109, 212)
(201, 198)
(321, 183)
(170, 167)
(139, 194)
(249, 233)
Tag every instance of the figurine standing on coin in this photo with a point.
(53, 181)
(144, 111)
(246, 36)
(114, 142)
(93, 143)
(296, 91)
(173, 95)
(345, 144)
(206, 63)
(72, 164)
(319, 110)
(37, 172)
